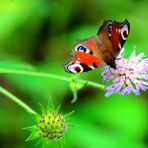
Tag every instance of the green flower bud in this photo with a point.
(51, 125)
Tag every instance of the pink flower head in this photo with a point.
(130, 75)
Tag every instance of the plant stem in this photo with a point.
(47, 75)
(16, 100)
(32, 73)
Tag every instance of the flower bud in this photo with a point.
(51, 125)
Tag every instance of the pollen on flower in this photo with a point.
(51, 125)
(130, 75)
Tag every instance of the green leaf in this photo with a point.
(50, 104)
(39, 143)
(58, 108)
(42, 109)
(32, 136)
(30, 128)
(68, 114)
(34, 116)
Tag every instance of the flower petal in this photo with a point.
(110, 92)
(130, 75)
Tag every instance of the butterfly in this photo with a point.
(96, 51)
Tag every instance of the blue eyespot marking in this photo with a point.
(109, 27)
(81, 49)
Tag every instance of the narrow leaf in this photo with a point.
(33, 135)
(50, 104)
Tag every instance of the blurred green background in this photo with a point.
(39, 35)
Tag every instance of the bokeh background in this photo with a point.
(39, 35)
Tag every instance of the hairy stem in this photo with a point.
(47, 75)
(16, 100)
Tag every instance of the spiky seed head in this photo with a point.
(51, 125)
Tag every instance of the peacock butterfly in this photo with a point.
(94, 52)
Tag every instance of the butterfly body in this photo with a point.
(94, 52)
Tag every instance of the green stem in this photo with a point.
(32, 73)
(16, 100)
(47, 75)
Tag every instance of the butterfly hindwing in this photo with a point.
(112, 36)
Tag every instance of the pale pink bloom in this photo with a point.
(130, 75)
